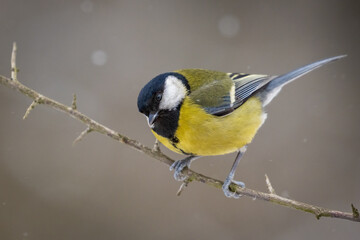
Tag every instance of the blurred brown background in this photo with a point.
(105, 51)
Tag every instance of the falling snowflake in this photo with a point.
(87, 6)
(99, 58)
(229, 26)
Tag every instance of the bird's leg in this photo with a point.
(179, 165)
(228, 193)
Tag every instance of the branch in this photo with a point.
(155, 153)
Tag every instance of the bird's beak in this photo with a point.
(152, 118)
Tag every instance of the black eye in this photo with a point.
(158, 97)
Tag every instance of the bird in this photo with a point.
(200, 112)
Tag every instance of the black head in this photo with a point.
(160, 101)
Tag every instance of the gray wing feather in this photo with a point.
(245, 86)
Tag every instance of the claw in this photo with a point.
(239, 183)
(179, 165)
(228, 193)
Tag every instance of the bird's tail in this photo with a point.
(291, 76)
(273, 87)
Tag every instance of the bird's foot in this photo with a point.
(228, 192)
(178, 166)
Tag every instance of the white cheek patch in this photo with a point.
(174, 93)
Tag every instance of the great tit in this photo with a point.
(198, 112)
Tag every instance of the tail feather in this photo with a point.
(291, 76)
(271, 89)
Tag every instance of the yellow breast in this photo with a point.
(200, 133)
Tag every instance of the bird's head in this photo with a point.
(162, 96)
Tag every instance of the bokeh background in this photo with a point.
(105, 51)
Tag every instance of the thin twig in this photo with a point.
(14, 69)
(268, 183)
(82, 135)
(184, 185)
(73, 104)
(355, 211)
(181, 188)
(31, 107)
(95, 126)
(156, 147)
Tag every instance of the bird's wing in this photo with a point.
(246, 85)
(220, 101)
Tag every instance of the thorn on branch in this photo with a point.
(184, 185)
(73, 104)
(156, 147)
(181, 188)
(355, 211)
(82, 135)
(31, 107)
(268, 183)
(14, 69)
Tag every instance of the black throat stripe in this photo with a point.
(174, 141)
